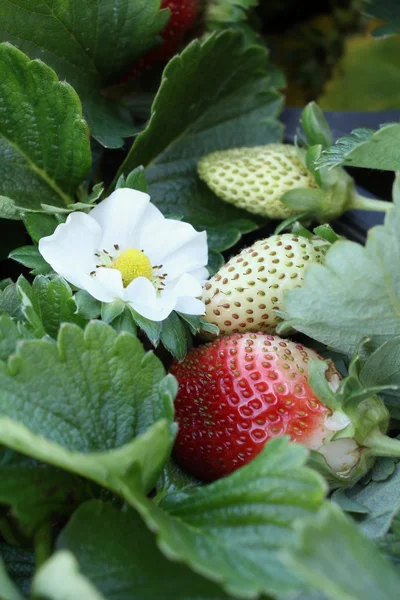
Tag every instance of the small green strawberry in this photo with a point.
(247, 292)
(278, 181)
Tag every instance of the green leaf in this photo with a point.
(44, 149)
(390, 544)
(232, 531)
(29, 256)
(97, 531)
(36, 491)
(174, 479)
(366, 77)
(87, 306)
(173, 336)
(382, 500)
(86, 404)
(8, 210)
(152, 329)
(20, 565)
(354, 294)
(112, 310)
(47, 304)
(40, 225)
(89, 44)
(237, 107)
(137, 180)
(385, 10)
(335, 558)
(60, 579)
(327, 233)
(366, 148)
(125, 322)
(9, 336)
(8, 590)
(10, 302)
(382, 368)
(197, 324)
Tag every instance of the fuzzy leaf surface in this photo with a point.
(335, 558)
(20, 565)
(8, 590)
(232, 531)
(35, 491)
(222, 97)
(94, 404)
(126, 562)
(44, 141)
(355, 294)
(365, 148)
(89, 44)
(382, 500)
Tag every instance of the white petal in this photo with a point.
(73, 244)
(176, 245)
(70, 251)
(190, 256)
(190, 306)
(111, 282)
(120, 216)
(142, 296)
(200, 274)
(186, 285)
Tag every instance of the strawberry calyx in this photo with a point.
(352, 450)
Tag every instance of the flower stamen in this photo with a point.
(131, 264)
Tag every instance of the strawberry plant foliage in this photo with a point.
(335, 558)
(233, 530)
(63, 567)
(8, 590)
(76, 43)
(141, 575)
(44, 142)
(354, 294)
(222, 97)
(80, 405)
(365, 148)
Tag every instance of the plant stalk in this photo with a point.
(382, 445)
(42, 543)
(359, 202)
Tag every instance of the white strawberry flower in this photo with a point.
(126, 249)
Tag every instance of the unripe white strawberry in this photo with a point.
(273, 181)
(247, 292)
(256, 178)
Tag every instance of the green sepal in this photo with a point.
(327, 233)
(317, 378)
(152, 329)
(87, 306)
(304, 199)
(315, 126)
(112, 310)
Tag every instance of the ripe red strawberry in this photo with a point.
(183, 16)
(240, 391)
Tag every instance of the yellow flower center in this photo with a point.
(133, 263)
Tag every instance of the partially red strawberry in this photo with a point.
(183, 16)
(240, 391)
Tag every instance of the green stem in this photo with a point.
(6, 531)
(42, 543)
(382, 445)
(359, 202)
